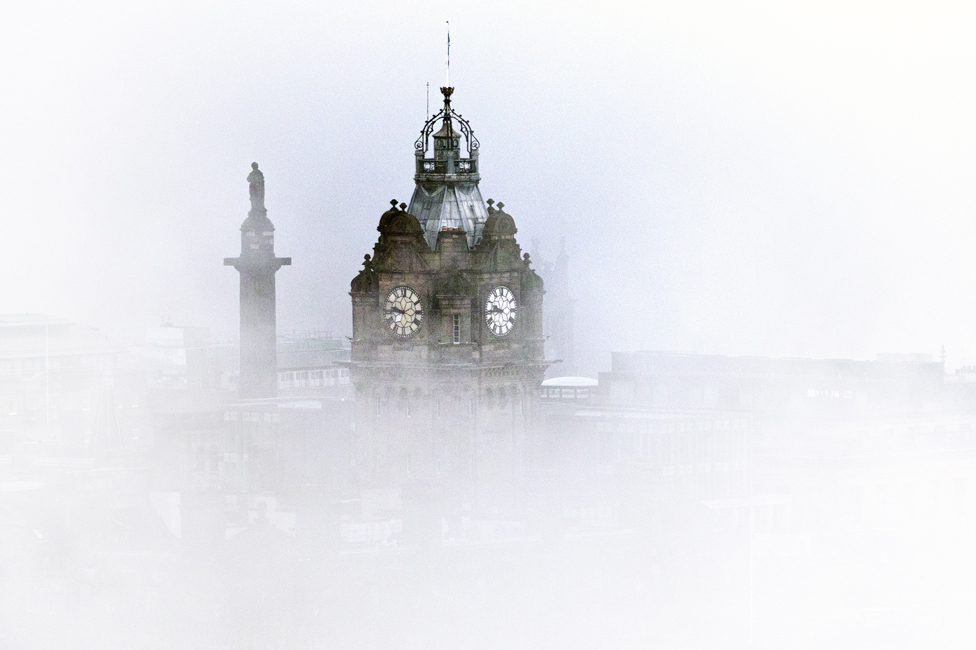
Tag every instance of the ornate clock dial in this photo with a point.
(500, 311)
(403, 311)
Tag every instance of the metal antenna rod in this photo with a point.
(428, 101)
(448, 53)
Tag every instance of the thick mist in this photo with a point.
(766, 179)
(778, 195)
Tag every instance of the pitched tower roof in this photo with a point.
(447, 194)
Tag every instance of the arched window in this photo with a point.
(516, 399)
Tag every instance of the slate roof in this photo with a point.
(449, 205)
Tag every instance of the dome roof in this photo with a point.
(389, 214)
(500, 223)
(396, 221)
(403, 223)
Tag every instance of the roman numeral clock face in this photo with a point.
(500, 311)
(403, 312)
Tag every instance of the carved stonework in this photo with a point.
(367, 281)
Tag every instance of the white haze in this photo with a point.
(779, 179)
(784, 179)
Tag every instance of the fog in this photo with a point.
(730, 182)
(776, 180)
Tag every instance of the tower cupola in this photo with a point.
(447, 195)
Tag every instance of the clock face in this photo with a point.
(403, 312)
(500, 311)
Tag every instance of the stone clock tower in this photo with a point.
(447, 349)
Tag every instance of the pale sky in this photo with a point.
(790, 179)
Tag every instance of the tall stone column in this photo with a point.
(257, 266)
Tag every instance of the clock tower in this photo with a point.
(447, 348)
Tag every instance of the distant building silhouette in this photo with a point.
(312, 364)
(57, 388)
(559, 313)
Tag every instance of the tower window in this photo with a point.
(456, 327)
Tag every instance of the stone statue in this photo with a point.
(256, 180)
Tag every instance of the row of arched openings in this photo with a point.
(410, 401)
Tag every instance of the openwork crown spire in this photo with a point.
(446, 196)
(447, 142)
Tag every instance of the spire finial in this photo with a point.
(447, 89)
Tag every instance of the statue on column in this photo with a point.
(256, 181)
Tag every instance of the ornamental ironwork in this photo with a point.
(447, 114)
